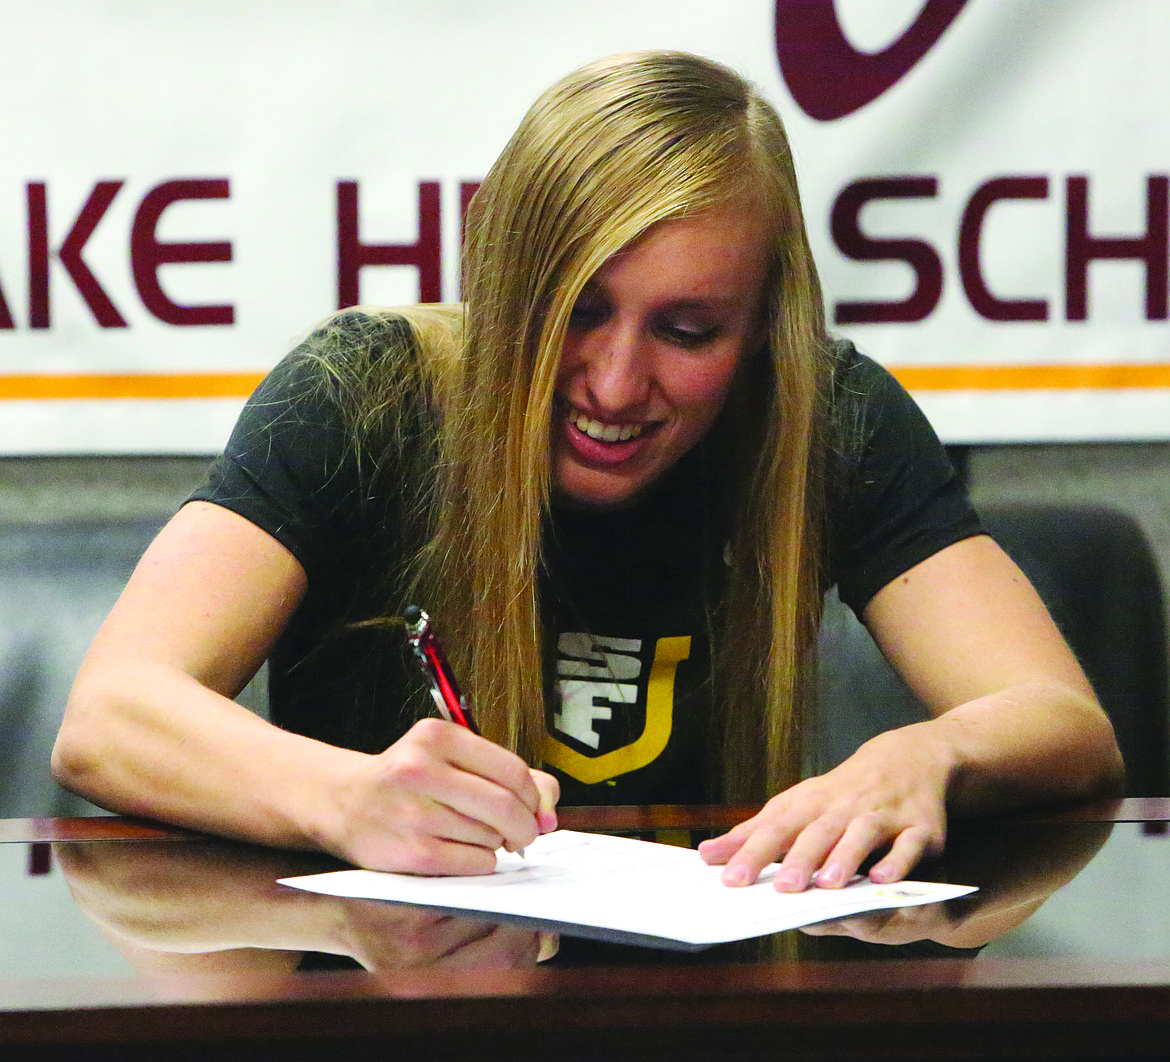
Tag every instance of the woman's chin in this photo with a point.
(585, 488)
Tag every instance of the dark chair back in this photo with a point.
(1094, 568)
(59, 581)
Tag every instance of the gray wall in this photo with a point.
(1133, 477)
(53, 489)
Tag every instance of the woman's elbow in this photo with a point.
(76, 759)
(68, 763)
(1112, 775)
(1101, 763)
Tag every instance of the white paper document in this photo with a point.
(628, 886)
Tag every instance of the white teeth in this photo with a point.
(605, 432)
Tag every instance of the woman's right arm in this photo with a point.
(150, 728)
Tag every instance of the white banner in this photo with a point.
(185, 188)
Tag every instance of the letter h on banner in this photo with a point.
(425, 254)
(1152, 248)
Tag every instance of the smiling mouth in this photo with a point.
(601, 432)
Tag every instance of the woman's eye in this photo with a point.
(689, 335)
(587, 313)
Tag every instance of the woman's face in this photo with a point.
(653, 344)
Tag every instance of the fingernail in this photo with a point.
(830, 876)
(788, 881)
(735, 875)
(880, 875)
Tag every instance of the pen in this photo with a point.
(444, 689)
(451, 703)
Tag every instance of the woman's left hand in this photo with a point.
(890, 794)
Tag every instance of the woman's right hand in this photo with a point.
(442, 800)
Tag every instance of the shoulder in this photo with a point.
(368, 367)
(353, 339)
(893, 497)
(336, 437)
(861, 388)
(329, 360)
(431, 334)
(873, 418)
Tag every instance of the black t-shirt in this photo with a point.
(625, 595)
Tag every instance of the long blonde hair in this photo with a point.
(603, 155)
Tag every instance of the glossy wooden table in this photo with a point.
(1085, 976)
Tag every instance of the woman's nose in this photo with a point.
(617, 372)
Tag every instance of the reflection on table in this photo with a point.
(121, 937)
(213, 906)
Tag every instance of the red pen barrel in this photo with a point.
(452, 698)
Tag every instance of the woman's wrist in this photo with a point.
(329, 801)
(926, 749)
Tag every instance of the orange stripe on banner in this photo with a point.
(131, 385)
(912, 377)
(1029, 377)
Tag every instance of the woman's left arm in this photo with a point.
(973, 640)
(1014, 720)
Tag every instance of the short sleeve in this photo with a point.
(282, 461)
(895, 498)
(289, 466)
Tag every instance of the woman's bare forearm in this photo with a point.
(142, 738)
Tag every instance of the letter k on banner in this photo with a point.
(826, 75)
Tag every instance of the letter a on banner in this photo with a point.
(6, 320)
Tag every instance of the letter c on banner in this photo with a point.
(826, 75)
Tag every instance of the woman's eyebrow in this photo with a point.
(705, 302)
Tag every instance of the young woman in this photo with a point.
(620, 478)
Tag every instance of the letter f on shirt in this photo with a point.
(589, 667)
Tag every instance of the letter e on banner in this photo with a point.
(147, 252)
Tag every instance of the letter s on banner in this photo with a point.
(920, 256)
(826, 75)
